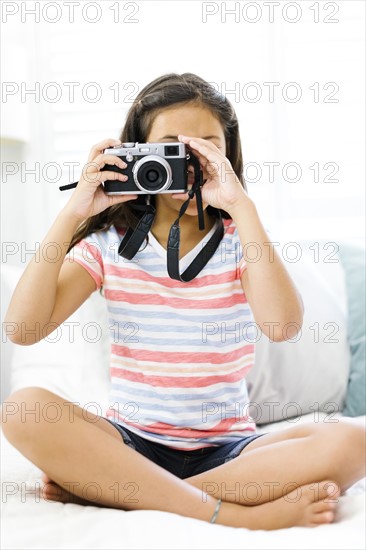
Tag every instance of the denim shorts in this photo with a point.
(183, 463)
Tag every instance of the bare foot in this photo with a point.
(304, 506)
(307, 506)
(52, 491)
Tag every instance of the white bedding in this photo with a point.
(27, 523)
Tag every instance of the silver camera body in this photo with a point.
(152, 168)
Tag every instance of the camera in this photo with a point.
(151, 168)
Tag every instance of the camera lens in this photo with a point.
(152, 174)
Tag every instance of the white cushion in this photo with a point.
(73, 361)
(9, 278)
(310, 374)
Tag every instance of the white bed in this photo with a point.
(304, 374)
(53, 525)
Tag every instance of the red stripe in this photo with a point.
(223, 428)
(160, 428)
(183, 357)
(180, 381)
(230, 230)
(92, 250)
(179, 303)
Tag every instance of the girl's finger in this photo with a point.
(101, 160)
(200, 141)
(99, 147)
(203, 160)
(200, 145)
(211, 167)
(215, 163)
(95, 178)
(186, 139)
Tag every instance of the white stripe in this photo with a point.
(176, 392)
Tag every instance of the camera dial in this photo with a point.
(128, 145)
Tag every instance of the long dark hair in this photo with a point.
(163, 92)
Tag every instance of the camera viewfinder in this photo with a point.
(171, 150)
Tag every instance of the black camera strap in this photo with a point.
(202, 257)
(210, 247)
(134, 238)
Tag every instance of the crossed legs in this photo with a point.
(276, 463)
(291, 469)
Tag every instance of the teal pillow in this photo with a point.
(352, 257)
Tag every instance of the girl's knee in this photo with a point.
(354, 436)
(342, 436)
(23, 408)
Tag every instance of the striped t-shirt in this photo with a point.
(179, 351)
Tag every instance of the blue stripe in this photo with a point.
(191, 329)
(206, 410)
(159, 315)
(209, 396)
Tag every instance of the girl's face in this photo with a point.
(194, 120)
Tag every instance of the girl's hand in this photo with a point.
(222, 188)
(89, 198)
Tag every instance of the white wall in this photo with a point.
(190, 36)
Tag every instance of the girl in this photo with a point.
(187, 446)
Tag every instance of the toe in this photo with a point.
(323, 506)
(323, 517)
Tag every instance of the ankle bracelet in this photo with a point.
(212, 520)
